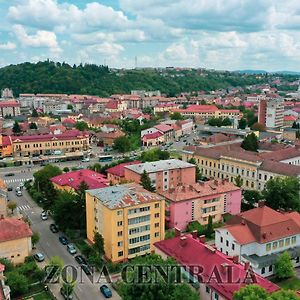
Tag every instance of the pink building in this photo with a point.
(164, 174)
(195, 202)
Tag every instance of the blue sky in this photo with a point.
(220, 34)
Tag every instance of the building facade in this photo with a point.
(164, 174)
(270, 112)
(9, 108)
(129, 218)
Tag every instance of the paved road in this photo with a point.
(50, 246)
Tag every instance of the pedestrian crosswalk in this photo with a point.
(23, 207)
(16, 180)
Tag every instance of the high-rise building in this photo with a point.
(270, 112)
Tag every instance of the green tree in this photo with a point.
(198, 172)
(146, 182)
(250, 142)
(66, 169)
(34, 113)
(96, 167)
(81, 125)
(259, 127)
(176, 116)
(251, 292)
(154, 155)
(210, 227)
(242, 123)
(284, 295)
(238, 180)
(33, 126)
(122, 144)
(195, 225)
(35, 238)
(98, 243)
(284, 267)
(17, 282)
(16, 128)
(169, 234)
(83, 186)
(68, 286)
(226, 122)
(215, 122)
(282, 193)
(184, 291)
(252, 197)
(70, 106)
(12, 205)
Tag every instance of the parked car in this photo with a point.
(9, 174)
(65, 294)
(85, 159)
(21, 184)
(10, 188)
(63, 240)
(54, 228)
(86, 269)
(44, 216)
(81, 260)
(71, 249)
(39, 257)
(105, 290)
(19, 193)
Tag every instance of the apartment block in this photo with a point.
(129, 218)
(164, 174)
(196, 202)
(9, 108)
(259, 235)
(270, 112)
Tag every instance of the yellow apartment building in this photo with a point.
(15, 240)
(129, 218)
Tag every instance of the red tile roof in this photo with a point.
(150, 136)
(6, 141)
(13, 229)
(10, 103)
(163, 127)
(192, 253)
(112, 105)
(289, 118)
(118, 170)
(263, 225)
(73, 179)
(68, 121)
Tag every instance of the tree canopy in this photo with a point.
(250, 142)
(284, 267)
(146, 182)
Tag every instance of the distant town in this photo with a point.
(204, 180)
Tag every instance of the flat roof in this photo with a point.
(161, 165)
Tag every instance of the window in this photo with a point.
(275, 245)
(263, 270)
(120, 233)
(221, 239)
(156, 215)
(156, 205)
(120, 253)
(119, 213)
(207, 289)
(156, 234)
(119, 223)
(233, 246)
(287, 241)
(216, 296)
(156, 225)
(268, 247)
(281, 243)
(293, 240)
(120, 244)
(270, 268)
(227, 243)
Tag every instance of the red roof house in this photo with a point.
(117, 173)
(13, 229)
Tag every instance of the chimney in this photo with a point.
(246, 265)
(177, 231)
(194, 234)
(261, 203)
(202, 239)
(235, 259)
(183, 241)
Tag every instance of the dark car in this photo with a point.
(9, 174)
(53, 228)
(80, 259)
(10, 188)
(105, 290)
(86, 269)
(63, 240)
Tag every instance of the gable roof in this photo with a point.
(119, 170)
(13, 229)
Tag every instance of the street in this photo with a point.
(49, 244)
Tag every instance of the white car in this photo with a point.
(19, 193)
(85, 159)
(44, 216)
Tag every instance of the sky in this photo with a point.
(214, 34)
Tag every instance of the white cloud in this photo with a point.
(8, 46)
(42, 39)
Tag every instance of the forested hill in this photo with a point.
(50, 77)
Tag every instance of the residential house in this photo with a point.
(203, 264)
(116, 174)
(71, 181)
(259, 235)
(186, 203)
(164, 174)
(289, 120)
(165, 107)
(166, 130)
(15, 239)
(116, 106)
(153, 139)
(129, 218)
(6, 148)
(107, 139)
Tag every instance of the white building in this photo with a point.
(270, 112)
(259, 235)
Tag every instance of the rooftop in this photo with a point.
(118, 170)
(189, 251)
(13, 229)
(161, 165)
(124, 195)
(73, 179)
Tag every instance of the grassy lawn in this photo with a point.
(43, 296)
(290, 284)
